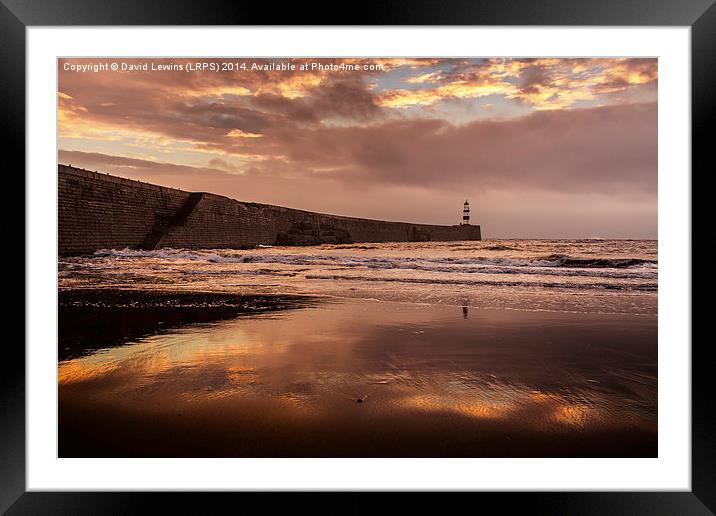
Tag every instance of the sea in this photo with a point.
(607, 276)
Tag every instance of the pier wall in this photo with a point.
(97, 211)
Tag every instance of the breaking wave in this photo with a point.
(454, 281)
(563, 261)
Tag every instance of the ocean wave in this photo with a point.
(456, 281)
(247, 272)
(613, 263)
(554, 260)
(538, 271)
(498, 247)
(490, 270)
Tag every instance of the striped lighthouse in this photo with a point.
(466, 213)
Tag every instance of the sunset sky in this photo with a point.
(542, 148)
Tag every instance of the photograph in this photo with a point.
(357, 257)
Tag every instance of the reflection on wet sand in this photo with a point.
(429, 381)
(96, 318)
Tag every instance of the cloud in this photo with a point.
(123, 166)
(347, 99)
(452, 90)
(543, 83)
(218, 163)
(599, 148)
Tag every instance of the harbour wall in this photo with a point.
(100, 211)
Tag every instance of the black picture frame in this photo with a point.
(17, 15)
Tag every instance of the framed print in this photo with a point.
(441, 250)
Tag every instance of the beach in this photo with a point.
(469, 349)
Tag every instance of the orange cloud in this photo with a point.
(238, 133)
(544, 83)
(426, 77)
(457, 89)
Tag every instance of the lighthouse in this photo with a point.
(466, 213)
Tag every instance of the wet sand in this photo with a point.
(95, 318)
(281, 377)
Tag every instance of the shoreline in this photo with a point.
(147, 297)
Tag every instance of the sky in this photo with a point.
(541, 148)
